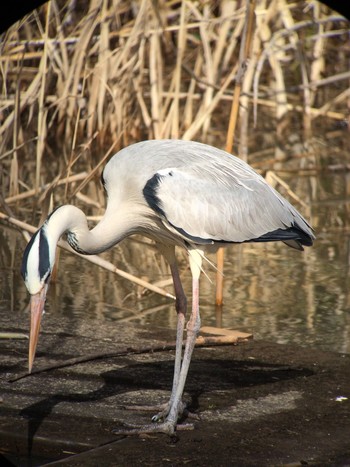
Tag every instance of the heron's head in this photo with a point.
(37, 264)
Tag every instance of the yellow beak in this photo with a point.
(37, 303)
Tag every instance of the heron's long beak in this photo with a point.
(37, 303)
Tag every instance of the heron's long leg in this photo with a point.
(181, 309)
(181, 370)
(193, 327)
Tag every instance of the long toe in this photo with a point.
(162, 415)
(167, 427)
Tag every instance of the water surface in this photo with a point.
(273, 291)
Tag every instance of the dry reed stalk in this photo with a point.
(72, 160)
(315, 112)
(243, 82)
(329, 80)
(14, 183)
(227, 36)
(243, 56)
(91, 41)
(181, 46)
(28, 194)
(273, 179)
(15, 149)
(26, 99)
(206, 37)
(97, 90)
(190, 94)
(154, 57)
(88, 201)
(274, 45)
(42, 111)
(324, 110)
(225, 332)
(274, 55)
(60, 62)
(146, 117)
(95, 169)
(103, 55)
(283, 44)
(317, 65)
(318, 62)
(106, 74)
(14, 178)
(306, 93)
(198, 121)
(71, 83)
(123, 61)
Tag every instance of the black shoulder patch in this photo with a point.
(151, 196)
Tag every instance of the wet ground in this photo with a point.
(259, 403)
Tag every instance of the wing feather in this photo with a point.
(220, 207)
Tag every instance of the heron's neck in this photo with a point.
(70, 219)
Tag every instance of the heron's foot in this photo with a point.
(167, 427)
(162, 415)
(163, 411)
(163, 422)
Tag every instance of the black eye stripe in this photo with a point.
(44, 255)
(24, 268)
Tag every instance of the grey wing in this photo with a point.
(220, 207)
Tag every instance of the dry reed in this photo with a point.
(78, 83)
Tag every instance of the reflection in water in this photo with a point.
(271, 290)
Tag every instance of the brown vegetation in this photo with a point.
(79, 80)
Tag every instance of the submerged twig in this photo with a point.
(13, 335)
(201, 342)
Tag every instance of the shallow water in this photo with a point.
(271, 290)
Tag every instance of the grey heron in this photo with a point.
(180, 194)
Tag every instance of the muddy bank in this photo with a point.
(258, 403)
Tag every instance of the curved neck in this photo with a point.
(72, 220)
